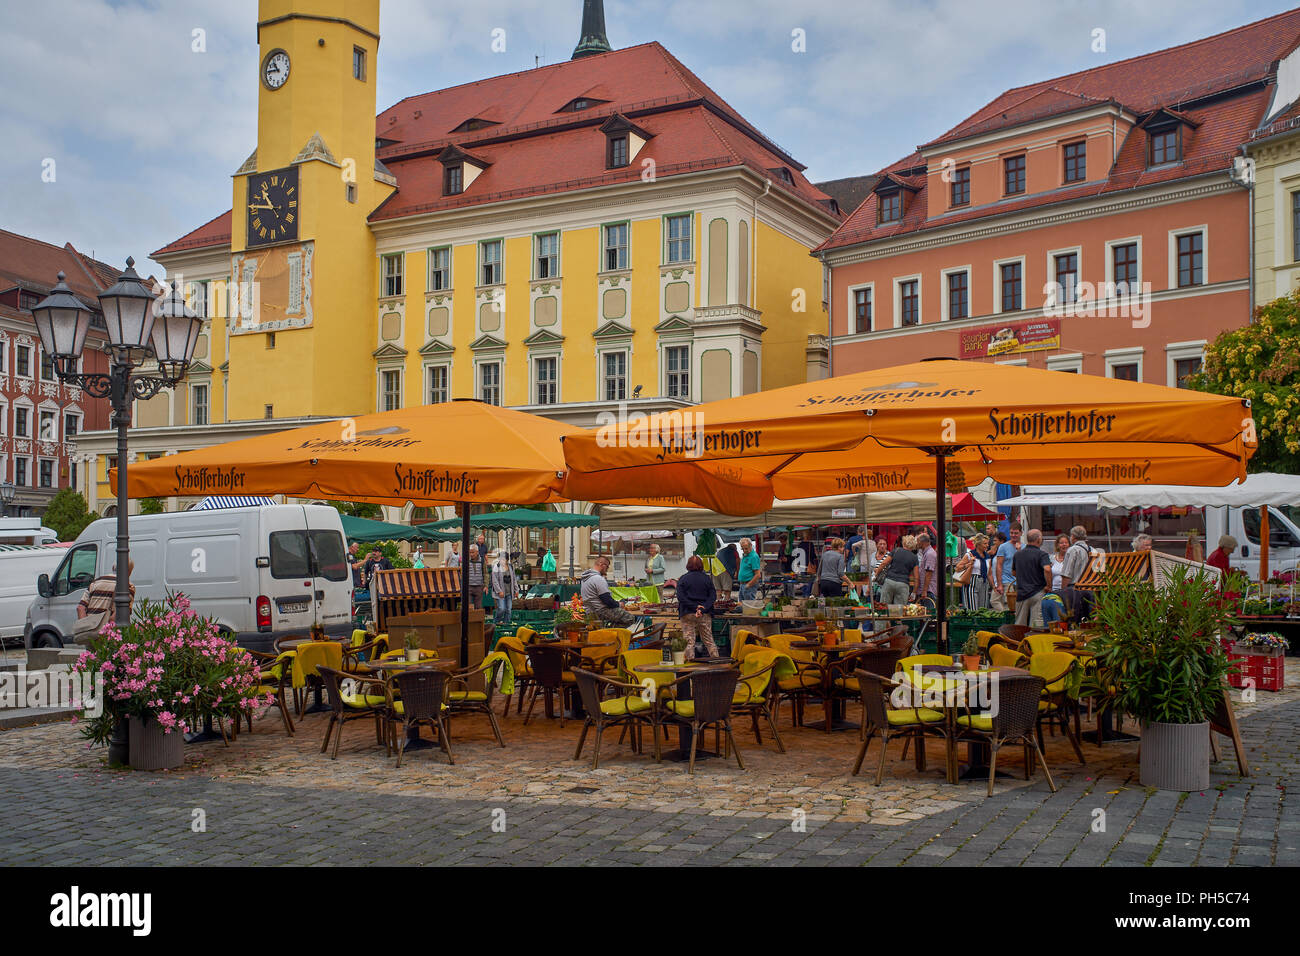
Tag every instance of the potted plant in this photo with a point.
(1159, 658)
(678, 645)
(412, 641)
(317, 632)
(970, 654)
(164, 673)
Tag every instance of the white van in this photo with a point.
(20, 566)
(259, 572)
(26, 531)
(1243, 524)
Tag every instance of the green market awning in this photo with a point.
(366, 529)
(521, 518)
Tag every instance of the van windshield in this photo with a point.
(294, 554)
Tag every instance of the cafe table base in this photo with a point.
(206, 734)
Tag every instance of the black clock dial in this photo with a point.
(272, 206)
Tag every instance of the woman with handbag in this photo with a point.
(972, 574)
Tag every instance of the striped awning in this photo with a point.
(416, 583)
(1113, 566)
(212, 502)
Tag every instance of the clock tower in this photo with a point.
(302, 250)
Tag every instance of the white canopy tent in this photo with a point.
(882, 507)
(1254, 492)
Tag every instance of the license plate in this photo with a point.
(293, 607)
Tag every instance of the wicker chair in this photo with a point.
(629, 710)
(461, 701)
(808, 680)
(896, 638)
(346, 706)
(423, 701)
(1015, 633)
(755, 699)
(1055, 668)
(276, 679)
(907, 722)
(712, 693)
(550, 676)
(1002, 656)
(882, 661)
(1015, 720)
(515, 649)
(608, 643)
(353, 654)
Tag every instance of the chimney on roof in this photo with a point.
(593, 39)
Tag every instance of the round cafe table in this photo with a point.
(834, 706)
(684, 731)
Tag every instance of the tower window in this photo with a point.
(961, 186)
(1076, 161)
(453, 180)
(358, 63)
(352, 192)
(617, 152)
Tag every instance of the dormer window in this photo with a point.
(617, 152)
(580, 103)
(1164, 130)
(453, 180)
(890, 206)
(470, 125)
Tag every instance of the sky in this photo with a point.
(123, 120)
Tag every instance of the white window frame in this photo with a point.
(1182, 350)
(27, 481)
(207, 403)
(943, 292)
(31, 418)
(537, 254)
(54, 472)
(1204, 230)
(851, 327)
(1128, 356)
(499, 262)
(605, 247)
(479, 366)
(997, 284)
(1077, 252)
(385, 276)
(690, 379)
(1070, 362)
(689, 238)
(429, 270)
(1110, 260)
(382, 372)
(601, 375)
(33, 362)
(898, 301)
(53, 411)
(428, 383)
(4, 418)
(1018, 361)
(535, 382)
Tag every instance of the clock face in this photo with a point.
(275, 69)
(273, 206)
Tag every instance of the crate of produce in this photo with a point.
(1260, 661)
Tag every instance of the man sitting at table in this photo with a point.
(596, 598)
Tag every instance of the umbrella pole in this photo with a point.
(941, 548)
(464, 585)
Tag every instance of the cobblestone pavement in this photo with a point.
(269, 799)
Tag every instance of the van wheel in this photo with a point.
(47, 640)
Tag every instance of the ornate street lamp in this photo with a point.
(7, 493)
(141, 327)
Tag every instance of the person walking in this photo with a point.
(1033, 572)
(1004, 574)
(900, 573)
(474, 570)
(695, 597)
(453, 559)
(1077, 558)
(750, 571)
(654, 567)
(832, 576)
(929, 559)
(975, 586)
(504, 586)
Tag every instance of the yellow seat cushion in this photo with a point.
(740, 699)
(682, 708)
(267, 690)
(801, 680)
(400, 711)
(467, 696)
(909, 716)
(363, 700)
(622, 706)
(849, 683)
(976, 722)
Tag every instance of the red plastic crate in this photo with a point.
(1265, 669)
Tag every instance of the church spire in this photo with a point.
(593, 38)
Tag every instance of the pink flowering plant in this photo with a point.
(169, 664)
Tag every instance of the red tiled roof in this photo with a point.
(536, 149)
(35, 266)
(1176, 75)
(214, 232)
(1169, 79)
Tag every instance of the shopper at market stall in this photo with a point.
(832, 577)
(474, 568)
(1004, 575)
(1077, 558)
(1033, 572)
(929, 558)
(453, 559)
(973, 572)
(695, 597)
(900, 573)
(750, 571)
(654, 567)
(1142, 542)
(1220, 556)
(503, 587)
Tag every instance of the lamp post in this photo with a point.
(142, 327)
(7, 492)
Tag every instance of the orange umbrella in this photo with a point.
(898, 428)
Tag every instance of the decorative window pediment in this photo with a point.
(435, 347)
(612, 330)
(389, 351)
(488, 343)
(675, 325)
(543, 338)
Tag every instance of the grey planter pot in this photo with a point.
(151, 749)
(1175, 756)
